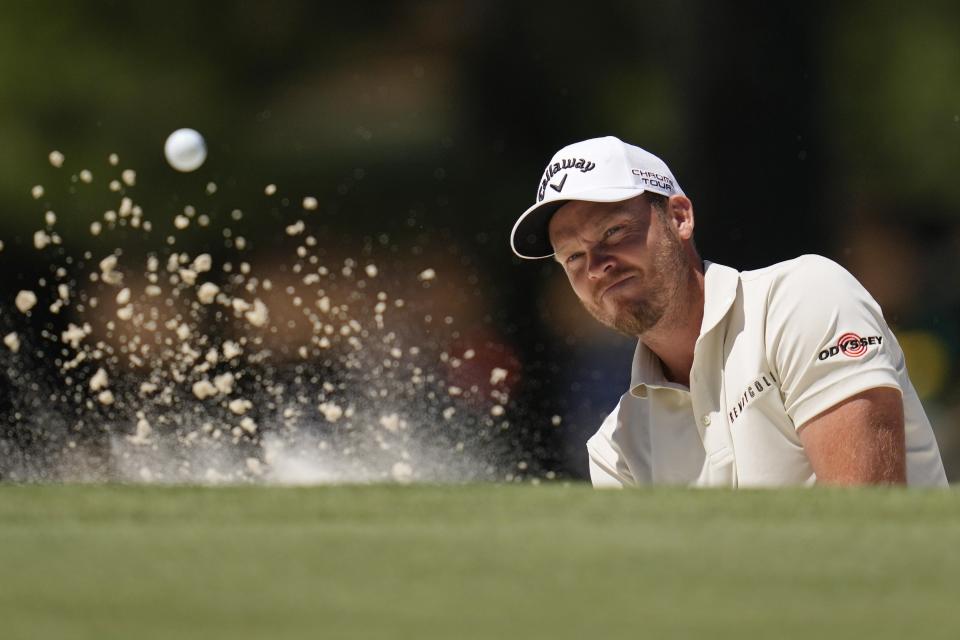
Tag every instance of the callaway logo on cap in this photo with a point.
(597, 170)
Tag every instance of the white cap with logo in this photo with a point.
(596, 170)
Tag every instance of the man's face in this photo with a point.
(624, 260)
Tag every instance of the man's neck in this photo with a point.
(674, 338)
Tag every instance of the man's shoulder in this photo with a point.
(808, 278)
(805, 266)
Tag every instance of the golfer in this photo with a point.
(787, 375)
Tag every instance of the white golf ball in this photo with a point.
(185, 150)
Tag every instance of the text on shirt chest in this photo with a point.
(754, 390)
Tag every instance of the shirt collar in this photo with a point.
(719, 291)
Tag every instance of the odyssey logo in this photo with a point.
(850, 345)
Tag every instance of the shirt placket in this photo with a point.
(706, 394)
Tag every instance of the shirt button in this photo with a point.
(706, 420)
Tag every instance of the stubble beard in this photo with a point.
(664, 293)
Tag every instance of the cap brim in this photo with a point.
(530, 238)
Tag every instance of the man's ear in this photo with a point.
(680, 212)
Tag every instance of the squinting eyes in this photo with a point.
(612, 230)
(609, 233)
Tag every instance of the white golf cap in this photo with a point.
(596, 170)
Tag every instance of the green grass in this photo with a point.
(476, 562)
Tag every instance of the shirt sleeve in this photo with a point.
(607, 468)
(826, 338)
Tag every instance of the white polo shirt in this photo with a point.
(777, 347)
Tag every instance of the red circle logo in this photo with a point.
(851, 346)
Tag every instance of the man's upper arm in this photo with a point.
(839, 369)
(859, 441)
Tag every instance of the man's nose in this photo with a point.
(598, 263)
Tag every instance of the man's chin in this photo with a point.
(631, 321)
(636, 320)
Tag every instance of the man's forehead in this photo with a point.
(576, 215)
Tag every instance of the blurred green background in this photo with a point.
(829, 128)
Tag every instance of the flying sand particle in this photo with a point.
(498, 375)
(41, 239)
(12, 340)
(258, 315)
(202, 263)
(107, 270)
(224, 383)
(207, 292)
(231, 350)
(99, 380)
(402, 472)
(296, 228)
(25, 301)
(330, 411)
(202, 389)
(142, 435)
(391, 423)
(248, 425)
(74, 334)
(239, 406)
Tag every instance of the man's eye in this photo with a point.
(572, 258)
(612, 230)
